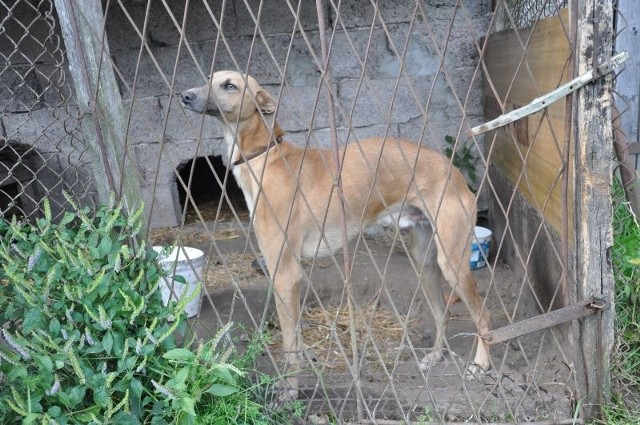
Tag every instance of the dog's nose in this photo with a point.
(188, 97)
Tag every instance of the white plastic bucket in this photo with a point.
(480, 247)
(181, 261)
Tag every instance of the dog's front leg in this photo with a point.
(287, 295)
(284, 269)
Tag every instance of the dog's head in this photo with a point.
(229, 95)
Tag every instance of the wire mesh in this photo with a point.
(524, 13)
(412, 70)
(42, 153)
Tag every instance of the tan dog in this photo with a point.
(294, 205)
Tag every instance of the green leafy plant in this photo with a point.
(625, 257)
(211, 385)
(82, 317)
(85, 338)
(462, 157)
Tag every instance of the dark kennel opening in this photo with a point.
(207, 187)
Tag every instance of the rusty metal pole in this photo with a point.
(326, 79)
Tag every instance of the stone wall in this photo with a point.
(41, 148)
(365, 63)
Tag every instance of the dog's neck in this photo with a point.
(250, 138)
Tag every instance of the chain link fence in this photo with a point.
(42, 153)
(424, 71)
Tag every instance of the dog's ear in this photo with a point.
(266, 103)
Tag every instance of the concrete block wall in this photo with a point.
(437, 94)
(364, 66)
(41, 149)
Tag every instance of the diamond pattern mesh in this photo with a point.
(421, 70)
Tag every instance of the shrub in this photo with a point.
(82, 318)
(85, 338)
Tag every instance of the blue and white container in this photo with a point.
(181, 261)
(480, 247)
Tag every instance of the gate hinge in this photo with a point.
(547, 320)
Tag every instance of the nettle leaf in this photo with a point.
(92, 240)
(107, 342)
(77, 394)
(18, 372)
(135, 395)
(221, 390)
(30, 418)
(54, 411)
(67, 218)
(88, 415)
(34, 318)
(105, 246)
(124, 418)
(44, 362)
(187, 404)
(182, 375)
(101, 396)
(179, 354)
(54, 327)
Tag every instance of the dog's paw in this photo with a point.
(259, 265)
(282, 394)
(431, 359)
(475, 371)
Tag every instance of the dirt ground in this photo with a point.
(531, 380)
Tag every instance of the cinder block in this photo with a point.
(355, 13)
(25, 88)
(163, 203)
(155, 76)
(163, 28)
(163, 118)
(56, 84)
(351, 49)
(377, 102)
(383, 54)
(45, 129)
(302, 108)
(159, 161)
(430, 133)
(19, 89)
(322, 138)
(276, 17)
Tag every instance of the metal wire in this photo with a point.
(42, 153)
(423, 84)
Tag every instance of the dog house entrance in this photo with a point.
(207, 187)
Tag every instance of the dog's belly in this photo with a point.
(402, 216)
(323, 244)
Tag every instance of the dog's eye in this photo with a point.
(229, 86)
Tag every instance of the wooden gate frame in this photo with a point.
(593, 164)
(585, 224)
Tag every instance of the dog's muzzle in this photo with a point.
(188, 97)
(192, 101)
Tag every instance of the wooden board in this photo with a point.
(522, 66)
(628, 81)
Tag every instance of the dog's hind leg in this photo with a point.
(453, 238)
(423, 252)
